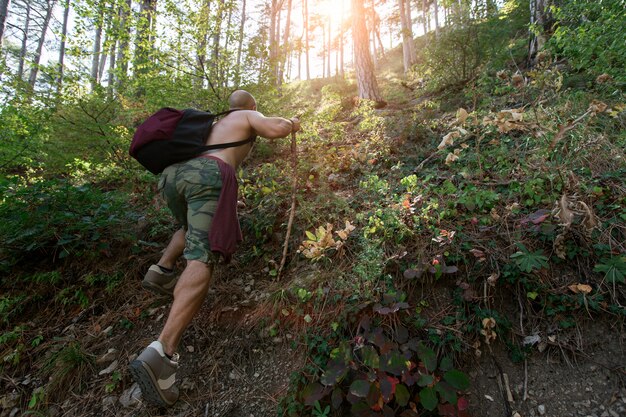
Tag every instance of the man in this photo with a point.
(200, 193)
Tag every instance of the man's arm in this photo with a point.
(272, 127)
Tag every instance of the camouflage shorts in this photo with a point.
(192, 190)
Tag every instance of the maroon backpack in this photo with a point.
(170, 136)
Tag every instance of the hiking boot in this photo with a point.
(159, 282)
(156, 375)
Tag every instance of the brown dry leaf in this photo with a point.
(597, 106)
(604, 78)
(503, 75)
(451, 158)
(559, 245)
(462, 115)
(582, 288)
(518, 80)
(448, 140)
(464, 145)
(590, 221)
(493, 279)
(494, 214)
(565, 215)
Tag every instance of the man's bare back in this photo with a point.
(242, 124)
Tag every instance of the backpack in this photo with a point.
(170, 136)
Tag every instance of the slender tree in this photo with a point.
(23, 49)
(4, 10)
(144, 38)
(436, 9)
(66, 14)
(240, 44)
(366, 80)
(305, 13)
(286, 49)
(34, 70)
(123, 55)
(540, 22)
(407, 35)
(95, 58)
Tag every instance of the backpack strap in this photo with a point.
(229, 144)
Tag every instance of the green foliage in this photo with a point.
(383, 371)
(614, 269)
(528, 261)
(22, 136)
(55, 219)
(68, 367)
(590, 34)
(468, 45)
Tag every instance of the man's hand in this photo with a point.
(295, 123)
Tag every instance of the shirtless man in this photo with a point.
(192, 190)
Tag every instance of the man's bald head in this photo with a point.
(241, 99)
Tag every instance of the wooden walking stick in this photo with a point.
(292, 214)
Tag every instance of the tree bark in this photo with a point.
(305, 11)
(329, 46)
(366, 80)
(20, 68)
(95, 59)
(4, 10)
(285, 48)
(341, 64)
(122, 52)
(407, 38)
(144, 39)
(540, 21)
(66, 14)
(32, 79)
(436, 6)
(240, 45)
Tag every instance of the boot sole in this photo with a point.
(157, 289)
(142, 374)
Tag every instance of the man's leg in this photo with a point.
(174, 250)
(161, 278)
(189, 295)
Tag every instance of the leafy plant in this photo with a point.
(614, 269)
(381, 372)
(528, 261)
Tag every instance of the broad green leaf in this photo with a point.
(446, 364)
(428, 356)
(360, 388)
(446, 392)
(457, 379)
(425, 380)
(402, 395)
(428, 398)
(311, 236)
(370, 357)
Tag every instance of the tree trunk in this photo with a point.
(240, 46)
(436, 6)
(32, 79)
(20, 69)
(4, 10)
(202, 40)
(285, 47)
(95, 59)
(122, 52)
(341, 64)
(144, 39)
(305, 10)
(409, 22)
(215, 54)
(540, 22)
(66, 14)
(329, 47)
(407, 37)
(366, 80)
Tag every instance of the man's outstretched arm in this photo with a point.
(272, 127)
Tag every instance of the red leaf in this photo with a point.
(462, 404)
